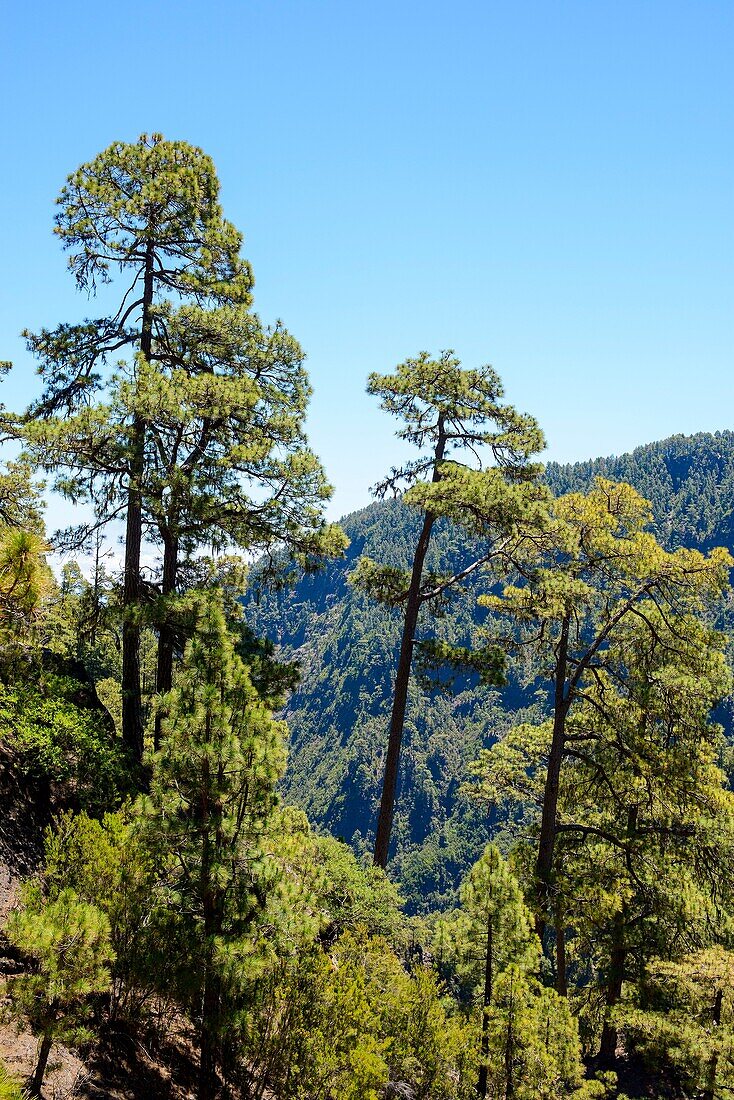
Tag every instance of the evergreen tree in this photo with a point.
(227, 463)
(454, 416)
(534, 1046)
(687, 1021)
(209, 810)
(148, 211)
(492, 931)
(68, 942)
(593, 570)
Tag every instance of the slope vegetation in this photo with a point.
(346, 648)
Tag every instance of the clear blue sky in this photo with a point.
(544, 186)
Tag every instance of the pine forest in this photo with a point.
(433, 803)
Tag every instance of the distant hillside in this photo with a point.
(346, 647)
(688, 479)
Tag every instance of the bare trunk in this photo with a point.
(561, 981)
(617, 963)
(486, 1002)
(208, 1084)
(132, 705)
(164, 670)
(36, 1081)
(402, 677)
(547, 838)
(608, 1047)
(710, 1090)
(510, 1059)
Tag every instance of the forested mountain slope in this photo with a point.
(346, 648)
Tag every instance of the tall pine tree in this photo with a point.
(147, 212)
(474, 469)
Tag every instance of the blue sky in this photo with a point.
(544, 186)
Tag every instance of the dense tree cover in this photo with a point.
(689, 481)
(560, 909)
(347, 645)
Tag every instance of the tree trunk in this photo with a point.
(132, 705)
(547, 838)
(510, 1054)
(561, 981)
(164, 670)
(402, 677)
(208, 1040)
(211, 901)
(710, 1090)
(617, 963)
(36, 1081)
(608, 1046)
(486, 1002)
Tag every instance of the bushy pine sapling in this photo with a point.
(67, 944)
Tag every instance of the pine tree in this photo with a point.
(209, 810)
(148, 211)
(69, 943)
(227, 462)
(647, 823)
(594, 568)
(492, 931)
(688, 1020)
(455, 417)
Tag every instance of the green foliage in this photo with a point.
(491, 931)
(346, 646)
(349, 1022)
(25, 583)
(422, 391)
(67, 743)
(149, 206)
(106, 864)
(209, 818)
(689, 480)
(196, 435)
(68, 942)
(534, 1050)
(685, 1020)
(10, 1088)
(354, 895)
(435, 657)
(594, 570)
(213, 786)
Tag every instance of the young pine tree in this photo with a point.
(491, 931)
(68, 943)
(210, 807)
